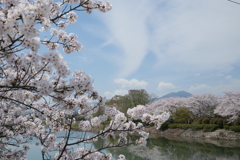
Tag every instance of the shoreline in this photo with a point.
(219, 134)
(178, 133)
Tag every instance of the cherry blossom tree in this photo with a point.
(229, 106)
(166, 105)
(202, 105)
(39, 98)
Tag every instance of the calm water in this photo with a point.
(166, 149)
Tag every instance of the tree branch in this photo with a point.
(234, 2)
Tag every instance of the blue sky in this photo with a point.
(160, 45)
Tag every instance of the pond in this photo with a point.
(171, 148)
(188, 149)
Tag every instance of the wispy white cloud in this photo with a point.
(230, 85)
(228, 77)
(190, 33)
(83, 58)
(121, 92)
(185, 33)
(220, 75)
(197, 74)
(200, 88)
(127, 23)
(133, 83)
(165, 86)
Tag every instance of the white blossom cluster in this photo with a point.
(121, 157)
(20, 19)
(89, 154)
(229, 106)
(136, 112)
(139, 112)
(38, 97)
(68, 41)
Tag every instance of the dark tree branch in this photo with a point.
(234, 2)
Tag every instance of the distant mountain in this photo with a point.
(181, 94)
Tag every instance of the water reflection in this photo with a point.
(164, 148)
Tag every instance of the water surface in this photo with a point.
(167, 149)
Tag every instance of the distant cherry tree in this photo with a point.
(229, 106)
(166, 105)
(39, 96)
(202, 105)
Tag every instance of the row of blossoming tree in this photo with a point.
(36, 86)
(186, 110)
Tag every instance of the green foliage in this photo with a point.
(44, 123)
(164, 126)
(225, 122)
(182, 126)
(214, 120)
(220, 123)
(150, 124)
(186, 126)
(210, 127)
(199, 120)
(196, 126)
(75, 125)
(226, 127)
(235, 128)
(205, 124)
(101, 127)
(205, 121)
(107, 121)
(80, 118)
(236, 122)
(222, 134)
(130, 100)
(174, 125)
(182, 115)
